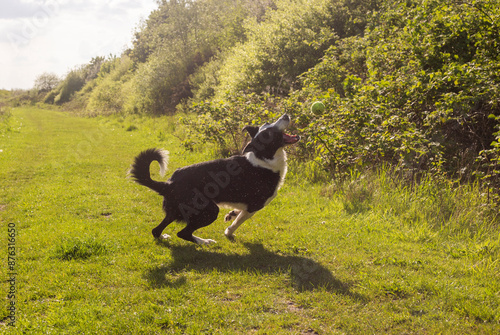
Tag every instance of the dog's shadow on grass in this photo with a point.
(305, 274)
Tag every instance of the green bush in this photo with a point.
(416, 90)
(73, 82)
(221, 122)
(174, 43)
(161, 83)
(109, 94)
(289, 41)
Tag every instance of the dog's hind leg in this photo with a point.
(159, 229)
(203, 219)
(242, 216)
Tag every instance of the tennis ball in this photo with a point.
(318, 108)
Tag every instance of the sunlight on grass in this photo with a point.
(367, 254)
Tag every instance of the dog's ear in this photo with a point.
(252, 130)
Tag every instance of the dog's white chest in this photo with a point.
(277, 164)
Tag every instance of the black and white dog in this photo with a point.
(246, 182)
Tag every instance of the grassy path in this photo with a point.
(86, 262)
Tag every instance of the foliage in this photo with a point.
(109, 93)
(416, 104)
(419, 89)
(176, 40)
(490, 163)
(71, 84)
(46, 82)
(221, 123)
(161, 83)
(74, 81)
(289, 41)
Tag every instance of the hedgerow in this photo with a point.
(419, 89)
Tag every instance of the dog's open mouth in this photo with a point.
(290, 139)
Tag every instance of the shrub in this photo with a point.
(221, 122)
(71, 84)
(162, 83)
(415, 91)
(108, 93)
(289, 41)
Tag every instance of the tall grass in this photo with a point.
(439, 203)
(433, 202)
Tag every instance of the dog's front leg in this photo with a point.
(242, 216)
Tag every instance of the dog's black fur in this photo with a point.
(245, 182)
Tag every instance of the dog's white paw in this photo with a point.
(228, 233)
(164, 237)
(202, 241)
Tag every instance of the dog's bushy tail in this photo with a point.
(140, 169)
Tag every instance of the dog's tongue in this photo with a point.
(291, 139)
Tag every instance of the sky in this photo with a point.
(55, 36)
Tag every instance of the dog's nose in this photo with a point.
(286, 117)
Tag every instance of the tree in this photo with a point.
(46, 82)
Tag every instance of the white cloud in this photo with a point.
(57, 35)
(17, 9)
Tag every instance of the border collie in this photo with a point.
(246, 182)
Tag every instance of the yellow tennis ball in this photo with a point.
(318, 108)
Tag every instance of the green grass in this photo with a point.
(368, 255)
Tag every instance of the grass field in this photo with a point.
(367, 256)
